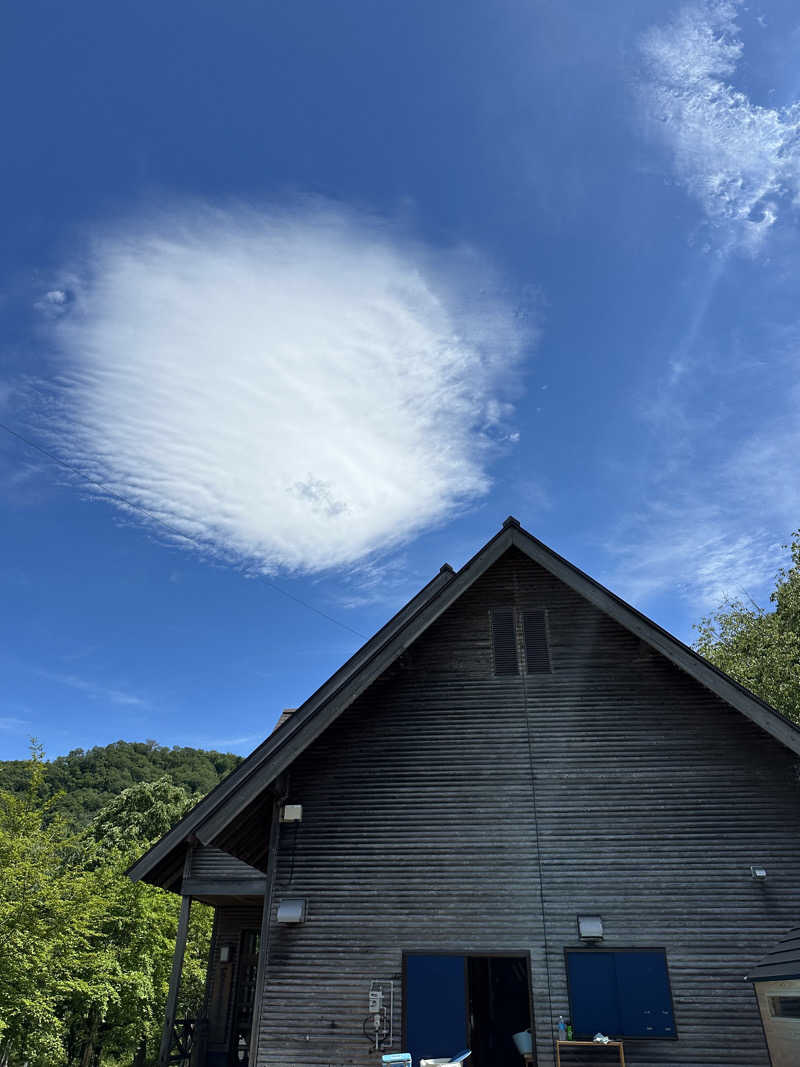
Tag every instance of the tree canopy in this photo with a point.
(757, 647)
(85, 976)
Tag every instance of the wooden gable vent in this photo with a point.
(534, 631)
(504, 642)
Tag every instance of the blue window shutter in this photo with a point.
(593, 993)
(436, 1006)
(645, 1005)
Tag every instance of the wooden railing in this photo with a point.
(189, 1041)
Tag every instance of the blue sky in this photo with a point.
(329, 290)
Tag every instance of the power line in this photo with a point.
(161, 522)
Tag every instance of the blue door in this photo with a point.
(436, 1006)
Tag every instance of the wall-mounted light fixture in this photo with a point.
(590, 928)
(759, 873)
(292, 813)
(292, 911)
(224, 953)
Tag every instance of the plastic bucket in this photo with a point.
(524, 1042)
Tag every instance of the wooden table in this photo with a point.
(590, 1044)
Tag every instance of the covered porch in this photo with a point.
(220, 1034)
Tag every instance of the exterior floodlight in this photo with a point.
(590, 928)
(292, 813)
(292, 911)
(759, 873)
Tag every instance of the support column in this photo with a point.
(177, 967)
(278, 798)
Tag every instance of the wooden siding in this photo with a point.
(215, 877)
(213, 863)
(447, 806)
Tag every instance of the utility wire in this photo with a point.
(172, 529)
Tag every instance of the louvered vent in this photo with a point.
(534, 629)
(504, 643)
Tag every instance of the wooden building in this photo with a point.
(520, 800)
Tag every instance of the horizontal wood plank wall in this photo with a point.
(214, 863)
(418, 832)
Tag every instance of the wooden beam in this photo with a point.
(224, 887)
(279, 795)
(177, 967)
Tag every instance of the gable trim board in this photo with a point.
(212, 816)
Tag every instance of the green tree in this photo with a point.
(139, 925)
(86, 953)
(48, 922)
(760, 648)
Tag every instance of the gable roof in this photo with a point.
(209, 820)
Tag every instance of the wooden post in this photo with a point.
(278, 797)
(177, 967)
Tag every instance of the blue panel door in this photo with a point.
(436, 1006)
(593, 993)
(644, 999)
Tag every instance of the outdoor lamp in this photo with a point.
(292, 911)
(590, 927)
(759, 873)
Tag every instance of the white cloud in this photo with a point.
(14, 726)
(227, 744)
(711, 530)
(740, 160)
(288, 388)
(53, 303)
(95, 690)
(686, 546)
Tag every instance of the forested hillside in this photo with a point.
(88, 780)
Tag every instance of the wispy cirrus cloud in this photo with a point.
(12, 725)
(96, 690)
(226, 744)
(719, 489)
(685, 544)
(738, 159)
(711, 525)
(289, 388)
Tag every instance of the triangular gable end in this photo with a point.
(212, 818)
